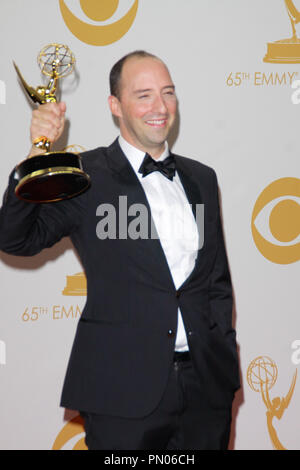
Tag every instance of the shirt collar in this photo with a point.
(136, 156)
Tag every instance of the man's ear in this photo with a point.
(115, 106)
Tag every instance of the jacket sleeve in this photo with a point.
(26, 228)
(220, 290)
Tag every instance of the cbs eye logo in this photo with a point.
(97, 34)
(72, 435)
(276, 221)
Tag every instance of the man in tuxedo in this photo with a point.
(154, 362)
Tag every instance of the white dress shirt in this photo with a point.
(174, 221)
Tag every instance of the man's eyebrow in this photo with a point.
(146, 90)
(142, 91)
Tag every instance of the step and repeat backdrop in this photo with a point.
(236, 66)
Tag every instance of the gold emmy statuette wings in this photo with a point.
(32, 92)
(286, 400)
(294, 15)
(293, 10)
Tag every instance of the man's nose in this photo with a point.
(159, 104)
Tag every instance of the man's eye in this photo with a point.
(143, 96)
(170, 93)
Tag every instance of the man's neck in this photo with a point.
(155, 153)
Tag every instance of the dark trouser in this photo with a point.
(183, 420)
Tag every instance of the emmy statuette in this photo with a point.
(50, 176)
(286, 51)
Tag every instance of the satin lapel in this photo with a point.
(130, 186)
(193, 193)
(191, 187)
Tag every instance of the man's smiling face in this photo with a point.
(147, 105)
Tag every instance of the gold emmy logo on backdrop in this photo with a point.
(261, 376)
(73, 428)
(283, 221)
(286, 51)
(50, 176)
(76, 285)
(100, 10)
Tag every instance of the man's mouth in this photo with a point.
(156, 122)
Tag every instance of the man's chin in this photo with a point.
(159, 138)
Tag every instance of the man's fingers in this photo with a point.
(56, 108)
(48, 120)
(51, 120)
(47, 129)
(62, 107)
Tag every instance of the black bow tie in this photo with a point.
(166, 167)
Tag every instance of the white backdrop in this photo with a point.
(239, 115)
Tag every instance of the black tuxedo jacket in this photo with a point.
(125, 338)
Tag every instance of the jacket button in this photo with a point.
(177, 294)
(171, 333)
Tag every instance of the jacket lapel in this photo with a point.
(193, 194)
(150, 250)
(191, 187)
